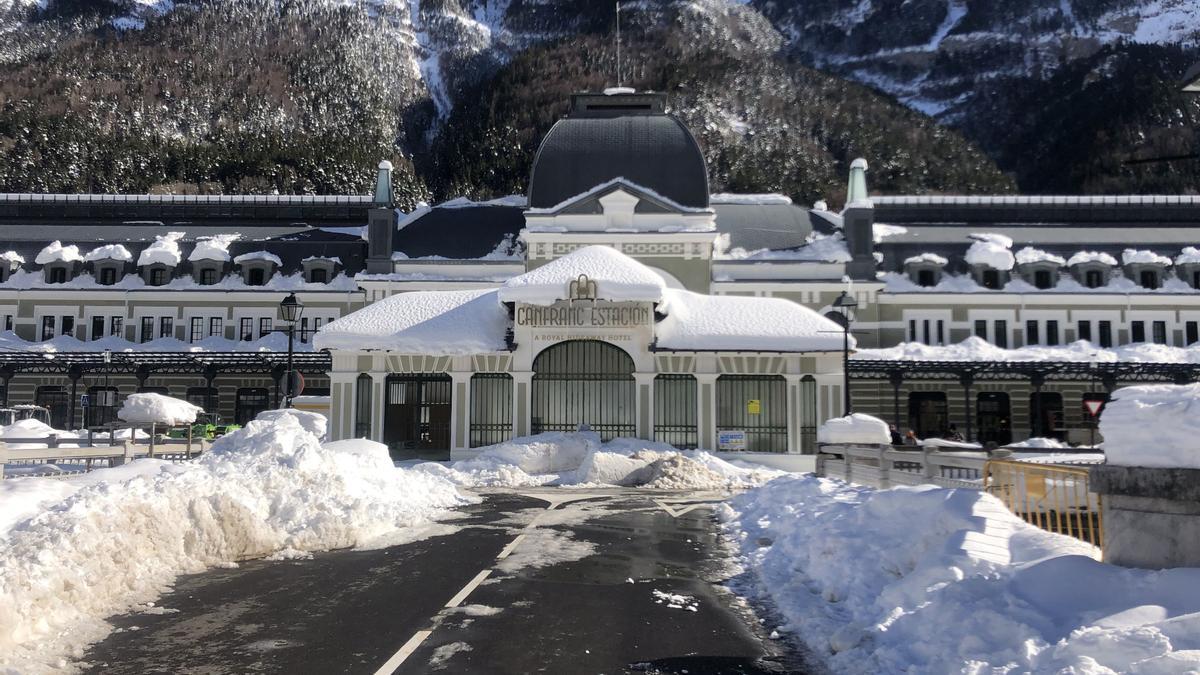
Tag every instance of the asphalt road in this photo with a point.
(610, 582)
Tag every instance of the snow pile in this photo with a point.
(119, 537)
(1135, 256)
(1154, 425)
(618, 277)
(927, 258)
(12, 258)
(109, 252)
(426, 322)
(258, 255)
(1091, 256)
(1189, 256)
(748, 199)
(817, 248)
(164, 250)
(213, 248)
(934, 580)
(854, 428)
(978, 349)
(696, 321)
(574, 459)
(991, 250)
(1029, 255)
(151, 408)
(55, 251)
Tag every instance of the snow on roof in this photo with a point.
(425, 322)
(1029, 255)
(618, 277)
(854, 428)
(331, 258)
(749, 199)
(1134, 256)
(109, 252)
(213, 248)
(151, 408)
(1153, 425)
(617, 181)
(927, 258)
(12, 257)
(743, 323)
(258, 255)
(165, 250)
(466, 202)
(1189, 256)
(977, 349)
(882, 231)
(1091, 256)
(820, 248)
(991, 250)
(55, 251)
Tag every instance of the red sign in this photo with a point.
(1093, 407)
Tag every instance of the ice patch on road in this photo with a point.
(100, 546)
(582, 460)
(676, 601)
(545, 548)
(443, 654)
(475, 610)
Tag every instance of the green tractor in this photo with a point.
(206, 426)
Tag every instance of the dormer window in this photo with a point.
(1149, 279)
(319, 269)
(208, 276)
(57, 275)
(257, 267)
(158, 276)
(108, 276)
(1042, 279)
(925, 270)
(318, 276)
(1093, 278)
(257, 276)
(926, 278)
(990, 279)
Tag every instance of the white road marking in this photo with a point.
(466, 590)
(398, 658)
(512, 545)
(675, 513)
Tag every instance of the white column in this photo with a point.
(793, 413)
(706, 416)
(522, 399)
(378, 385)
(644, 397)
(460, 410)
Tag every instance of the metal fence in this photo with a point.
(1054, 498)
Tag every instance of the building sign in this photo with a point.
(754, 407)
(731, 440)
(584, 315)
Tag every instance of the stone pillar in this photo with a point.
(378, 404)
(1151, 516)
(522, 399)
(645, 405)
(460, 411)
(706, 418)
(793, 413)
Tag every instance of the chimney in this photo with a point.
(381, 223)
(858, 224)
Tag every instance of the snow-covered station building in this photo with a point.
(618, 293)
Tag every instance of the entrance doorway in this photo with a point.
(927, 414)
(416, 417)
(994, 412)
(584, 382)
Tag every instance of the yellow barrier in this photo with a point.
(1054, 498)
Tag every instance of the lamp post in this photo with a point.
(846, 304)
(290, 310)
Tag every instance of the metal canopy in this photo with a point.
(1022, 370)
(18, 362)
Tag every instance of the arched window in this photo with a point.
(362, 406)
(491, 408)
(584, 382)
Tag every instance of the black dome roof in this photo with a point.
(618, 136)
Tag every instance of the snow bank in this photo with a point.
(151, 408)
(12, 258)
(119, 537)
(215, 247)
(1091, 256)
(932, 580)
(55, 251)
(733, 322)
(258, 255)
(1154, 425)
(991, 250)
(109, 252)
(978, 349)
(1131, 256)
(927, 258)
(164, 250)
(573, 459)
(1029, 255)
(618, 277)
(426, 322)
(854, 428)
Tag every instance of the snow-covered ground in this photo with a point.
(933, 580)
(581, 460)
(76, 550)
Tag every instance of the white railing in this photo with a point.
(885, 466)
(87, 454)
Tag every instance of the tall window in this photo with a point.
(205, 397)
(304, 329)
(196, 333)
(216, 326)
(1052, 332)
(166, 327)
(1002, 333)
(1191, 333)
(147, 329)
(928, 416)
(248, 403)
(808, 415)
(158, 276)
(97, 327)
(1149, 279)
(58, 275)
(68, 325)
(1158, 332)
(675, 411)
(108, 276)
(47, 328)
(362, 406)
(1031, 333)
(264, 327)
(994, 417)
(981, 329)
(491, 408)
(1105, 330)
(116, 326)
(102, 407)
(1046, 415)
(1093, 279)
(1137, 331)
(246, 329)
(1084, 330)
(208, 276)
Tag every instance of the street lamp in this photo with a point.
(290, 309)
(846, 304)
